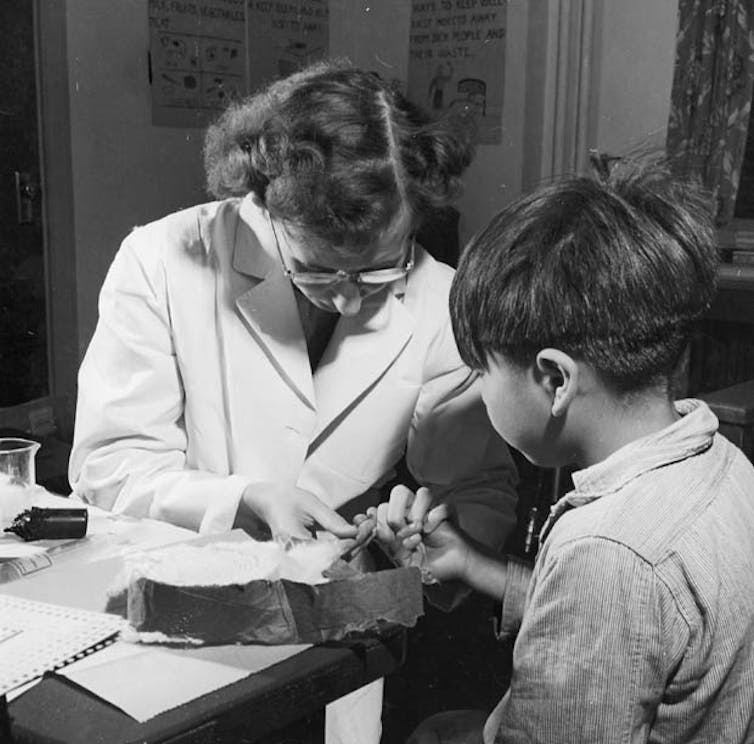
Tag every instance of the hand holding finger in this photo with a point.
(367, 529)
(435, 517)
(414, 528)
(412, 542)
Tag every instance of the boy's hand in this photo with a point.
(407, 509)
(403, 514)
(413, 533)
(447, 553)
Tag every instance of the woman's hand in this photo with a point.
(288, 512)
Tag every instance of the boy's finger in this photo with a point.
(436, 516)
(366, 531)
(400, 498)
(384, 533)
(420, 505)
(412, 542)
(414, 528)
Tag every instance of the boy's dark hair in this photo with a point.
(337, 152)
(612, 270)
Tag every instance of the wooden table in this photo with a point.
(283, 703)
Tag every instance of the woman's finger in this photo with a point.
(330, 520)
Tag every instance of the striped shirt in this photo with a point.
(639, 616)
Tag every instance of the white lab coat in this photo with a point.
(197, 382)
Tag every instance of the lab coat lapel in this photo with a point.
(360, 351)
(269, 311)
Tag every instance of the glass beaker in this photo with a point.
(17, 460)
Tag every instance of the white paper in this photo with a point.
(36, 637)
(144, 681)
(15, 547)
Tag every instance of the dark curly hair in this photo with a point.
(613, 270)
(337, 152)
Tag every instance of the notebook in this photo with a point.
(37, 637)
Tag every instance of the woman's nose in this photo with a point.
(347, 299)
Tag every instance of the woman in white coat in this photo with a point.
(264, 360)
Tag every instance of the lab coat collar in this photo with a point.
(362, 347)
(253, 252)
(268, 306)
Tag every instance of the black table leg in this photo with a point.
(5, 734)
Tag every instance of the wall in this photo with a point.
(494, 178)
(628, 74)
(372, 34)
(627, 113)
(125, 171)
(636, 54)
(375, 35)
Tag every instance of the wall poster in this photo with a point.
(457, 60)
(197, 59)
(284, 36)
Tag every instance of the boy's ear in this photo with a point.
(559, 375)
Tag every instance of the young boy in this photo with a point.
(575, 304)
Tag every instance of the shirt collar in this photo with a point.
(688, 436)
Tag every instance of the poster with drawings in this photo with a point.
(457, 60)
(284, 36)
(197, 59)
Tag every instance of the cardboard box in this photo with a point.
(274, 612)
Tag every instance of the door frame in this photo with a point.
(54, 132)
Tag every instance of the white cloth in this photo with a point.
(356, 718)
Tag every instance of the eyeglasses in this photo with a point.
(374, 277)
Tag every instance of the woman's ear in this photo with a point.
(559, 375)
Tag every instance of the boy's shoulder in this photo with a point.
(688, 505)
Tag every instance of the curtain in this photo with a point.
(711, 96)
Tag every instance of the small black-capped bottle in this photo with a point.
(49, 524)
